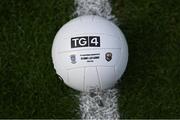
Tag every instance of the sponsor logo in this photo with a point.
(85, 41)
(90, 57)
(108, 56)
(73, 59)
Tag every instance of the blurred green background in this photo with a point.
(30, 88)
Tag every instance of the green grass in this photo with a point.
(151, 85)
(29, 87)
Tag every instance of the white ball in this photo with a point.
(90, 52)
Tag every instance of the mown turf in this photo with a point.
(29, 87)
(151, 85)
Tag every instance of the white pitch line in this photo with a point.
(94, 7)
(97, 104)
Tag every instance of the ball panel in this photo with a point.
(123, 58)
(75, 79)
(88, 24)
(91, 78)
(87, 58)
(106, 42)
(107, 76)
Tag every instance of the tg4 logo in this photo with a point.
(85, 41)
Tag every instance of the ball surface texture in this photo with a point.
(90, 52)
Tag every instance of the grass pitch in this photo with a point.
(151, 84)
(29, 87)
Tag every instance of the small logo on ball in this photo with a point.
(108, 56)
(73, 59)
